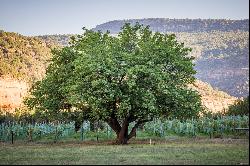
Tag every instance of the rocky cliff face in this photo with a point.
(212, 99)
(12, 93)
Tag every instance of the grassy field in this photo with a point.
(171, 152)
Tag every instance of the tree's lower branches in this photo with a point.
(133, 131)
(114, 124)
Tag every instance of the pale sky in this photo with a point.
(40, 17)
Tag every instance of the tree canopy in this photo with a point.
(133, 77)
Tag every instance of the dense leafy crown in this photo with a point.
(137, 75)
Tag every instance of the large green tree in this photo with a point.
(133, 77)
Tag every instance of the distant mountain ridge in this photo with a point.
(178, 25)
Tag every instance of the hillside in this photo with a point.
(222, 59)
(23, 58)
(213, 99)
(30, 56)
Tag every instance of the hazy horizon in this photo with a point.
(32, 18)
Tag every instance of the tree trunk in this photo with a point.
(77, 125)
(122, 136)
(92, 126)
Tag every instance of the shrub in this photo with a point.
(241, 107)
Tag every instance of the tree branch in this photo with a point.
(114, 124)
(133, 131)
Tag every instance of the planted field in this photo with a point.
(222, 127)
(179, 151)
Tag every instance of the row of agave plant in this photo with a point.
(33, 131)
(205, 125)
(158, 127)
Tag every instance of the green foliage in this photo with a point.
(220, 46)
(241, 107)
(216, 51)
(135, 76)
